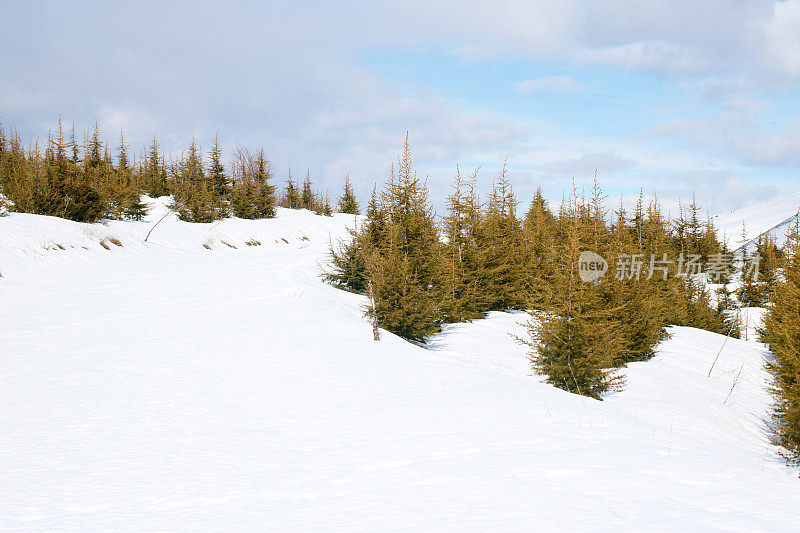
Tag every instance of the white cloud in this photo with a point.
(782, 33)
(651, 55)
(553, 84)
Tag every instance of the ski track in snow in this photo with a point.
(172, 387)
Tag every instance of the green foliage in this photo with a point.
(465, 296)
(348, 202)
(405, 264)
(782, 333)
(291, 196)
(307, 199)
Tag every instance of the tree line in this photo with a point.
(486, 254)
(81, 180)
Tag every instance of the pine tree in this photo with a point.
(154, 177)
(307, 195)
(540, 241)
(291, 197)
(502, 260)
(194, 198)
(127, 188)
(264, 201)
(462, 225)
(782, 333)
(406, 267)
(217, 180)
(575, 338)
(347, 202)
(348, 269)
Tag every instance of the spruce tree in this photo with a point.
(406, 268)
(347, 202)
(194, 198)
(462, 225)
(307, 194)
(217, 180)
(291, 196)
(264, 200)
(502, 261)
(540, 236)
(782, 333)
(575, 339)
(155, 175)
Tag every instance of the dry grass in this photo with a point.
(252, 242)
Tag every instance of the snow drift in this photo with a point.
(200, 382)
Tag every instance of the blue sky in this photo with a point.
(677, 97)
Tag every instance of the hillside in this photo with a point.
(195, 381)
(771, 217)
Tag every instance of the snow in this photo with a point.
(168, 386)
(772, 216)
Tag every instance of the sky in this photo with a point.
(677, 97)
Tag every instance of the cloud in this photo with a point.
(652, 55)
(553, 84)
(782, 36)
(294, 80)
(738, 129)
(586, 164)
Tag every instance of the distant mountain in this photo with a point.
(770, 217)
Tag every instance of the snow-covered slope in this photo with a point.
(169, 386)
(770, 217)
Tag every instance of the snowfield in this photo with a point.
(173, 386)
(772, 217)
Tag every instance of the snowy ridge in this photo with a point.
(771, 217)
(167, 386)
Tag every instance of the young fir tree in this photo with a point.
(154, 178)
(348, 269)
(132, 207)
(636, 295)
(539, 247)
(291, 196)
(194, 198)
(575, 338)
(782, 333)
(347, 202)
(307, 199)
(501, 257)
(217, 180)
(406, 267)
(462, 225)
(264, 200)
(73, 194)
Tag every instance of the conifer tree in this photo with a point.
(264, 200)
(194, 198)
(291, 196)
(406, 268)
(347, 202)
(782, 333)
(154, 179)
(126, 188)
(307, 194)
(575, 339)
(462, 225)
(540, 236)
(348, 268)
(217, 179)
(502, 261)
